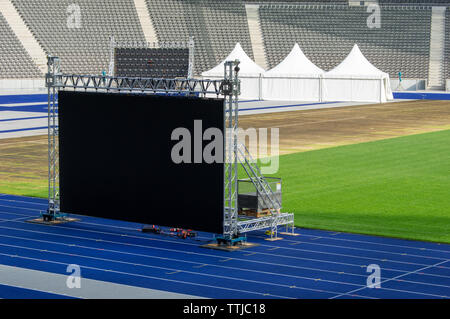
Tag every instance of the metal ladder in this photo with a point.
(267, 197)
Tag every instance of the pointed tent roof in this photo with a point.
(247, 66)
(356, 65)
(295, 64)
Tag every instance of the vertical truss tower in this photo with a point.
(52, 81)
(231, 116)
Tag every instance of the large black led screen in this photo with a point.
(115, 158)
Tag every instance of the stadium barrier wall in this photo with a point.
(22, 84)
(409, 84)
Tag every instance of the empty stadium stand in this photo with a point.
(414, 2)
(301, 1)
(216, 26)
(325, 30)
(326, 34)
(84, 49)
(14, 60)
(447, 44)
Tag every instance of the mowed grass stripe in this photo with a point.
(32, 189)
(397, 187)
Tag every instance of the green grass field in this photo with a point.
(397, 187)
(32, 189)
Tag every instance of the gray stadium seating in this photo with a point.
(325, 30)
(326, 34)
(301, 1)
(14, 60)
(215, 25)
(414, 2)
(85, 49)
(447, 44)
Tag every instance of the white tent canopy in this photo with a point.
(295, 64)
(356, 79)
(295, 78)
(247, 66)
(355, 65)
(249, 74)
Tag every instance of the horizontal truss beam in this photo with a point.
(275, 220)
(155, 85)
(152, 45)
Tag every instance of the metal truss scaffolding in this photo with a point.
(231, 114)
(52, 80)
(228, 88)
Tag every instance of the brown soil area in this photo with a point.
(25, 159)
(314, 129)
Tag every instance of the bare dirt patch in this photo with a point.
(24, 160)
(315, 129)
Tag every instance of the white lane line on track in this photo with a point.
(174, 269)
(354, 248)
(202, 264)
(195, 263)
(196, 245)
(173, 242)
(395, 278)
(363, 242)
(271, 247)
(305, 235)
(373, 243)
(207, 255)
(12, 105)
(179, 251)
(142, 276)
(318, 252)
(193, 244)
(19, 207)
(226, 277)
(13, 220)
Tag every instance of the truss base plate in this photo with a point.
(57, 221)
(274, 239)
(289, 234)
(229, 247)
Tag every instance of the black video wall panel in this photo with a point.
(152, 62)
(115, 159)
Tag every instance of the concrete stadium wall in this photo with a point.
(22, 83)
(409, 84)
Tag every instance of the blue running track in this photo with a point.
(315, 264)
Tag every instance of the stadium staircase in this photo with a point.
(436, 76)
(266, 197)
(146, 21)
(256, 37)
(24, 35)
